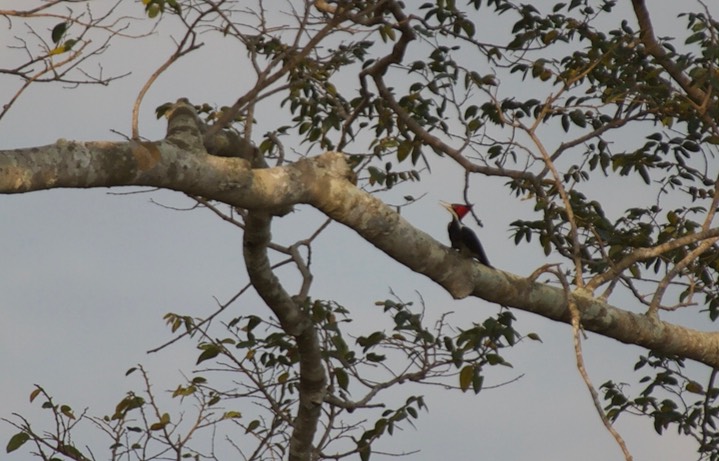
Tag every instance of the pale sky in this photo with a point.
(86, 276)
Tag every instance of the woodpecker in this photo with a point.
(462, 237)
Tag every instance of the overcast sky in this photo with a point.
(86, 276)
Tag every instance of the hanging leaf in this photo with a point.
(342, 378)
(211, 351)
(67, 411)
(465, 377)
(254, 424)
(16, 441)
(35, 393)
(58, 31)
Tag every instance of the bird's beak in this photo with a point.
(448, 207)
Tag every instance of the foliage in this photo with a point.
(671, 399)
(262, 360)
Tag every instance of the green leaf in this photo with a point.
(644, 173)
(477, 382)
(494, 150)
(364, 451)
(342, 378)
(468, 28)
(578, 118)
(72, 452)
(67, 46)
(35, 393)
(211, 351)
(376, 175)
(465, 377)
(164, 421)
(252, 323)
(534, 337)
(372, 357)
(67, 411)
(695, 388)
(254, 424)
(58, 31)
(370, 341)
(184, 391)
(153, 10)
(691, 146)
(550, 36)
(403, 150)
(157, 426)
(699, 36)
(175, 6)
(495, 359)
(16, 441)
(128, 403)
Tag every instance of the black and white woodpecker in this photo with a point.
(462, 237)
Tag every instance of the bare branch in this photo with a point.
(646, 253)
(579, 357)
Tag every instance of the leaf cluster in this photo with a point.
(671, 399)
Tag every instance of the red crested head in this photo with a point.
(461, 209)
(457, 209)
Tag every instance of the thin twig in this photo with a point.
(576, 330)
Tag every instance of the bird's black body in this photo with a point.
(462, 237)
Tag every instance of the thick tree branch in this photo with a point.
(296, 323)
(389, 232)
(325, 182)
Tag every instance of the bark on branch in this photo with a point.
(325, 182)
(295, 322)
